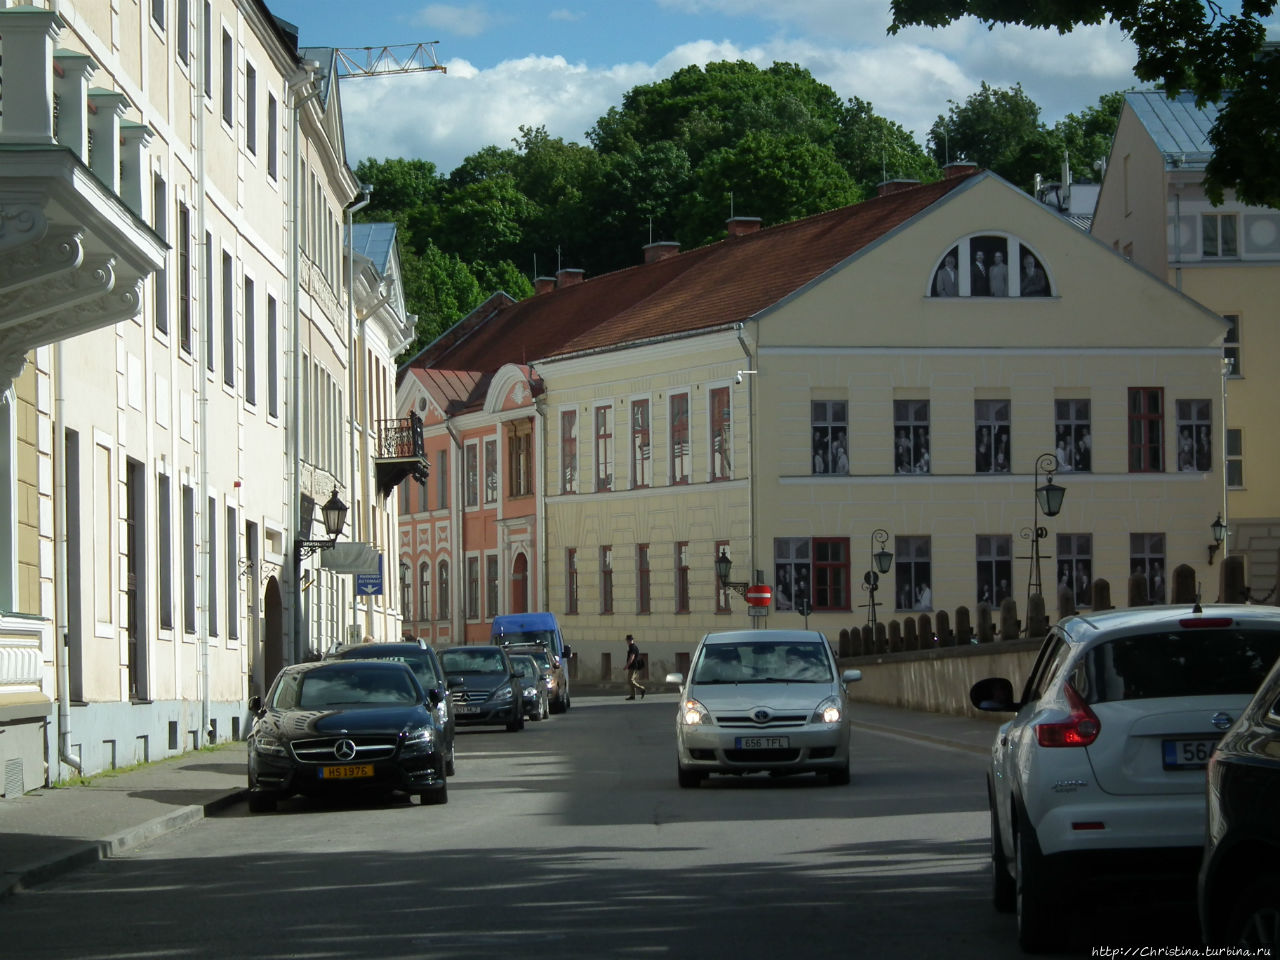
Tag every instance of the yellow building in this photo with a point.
(1153, 210)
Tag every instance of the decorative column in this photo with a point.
(71, 85)
(106, 107)
(29, 35)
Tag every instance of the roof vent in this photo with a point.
(543, 284)
(653, 252)
(569, 276)
(741, 226)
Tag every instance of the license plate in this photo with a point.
(762, 743)
(1187, 754)
(464, 708)
(349, 772)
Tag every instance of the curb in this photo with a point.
(95, 850)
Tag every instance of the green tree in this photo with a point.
(440, 289)
(1087, 136)
(999, 130)
(873, 149)
(1183, 45)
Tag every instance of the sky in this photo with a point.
(563, 63)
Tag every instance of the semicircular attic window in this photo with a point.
(990, 265)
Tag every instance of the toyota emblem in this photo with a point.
(761, 715)
(344, 750)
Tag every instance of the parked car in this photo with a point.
(1239, 882)
(484, 686)
(762, 700)
(340, 726)
(1101, 770)
(550, 675)
(535, 684)
(426, 667)
(529, 632)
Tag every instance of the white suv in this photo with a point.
(1103, 764)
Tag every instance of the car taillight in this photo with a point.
(1078, 730)
(1205, 623)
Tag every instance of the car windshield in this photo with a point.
(542, 659)
(346, 687)
(528, 636)
(752, 661)
(1178, 663)
(525, 667)
(423, 667)
(473, 661)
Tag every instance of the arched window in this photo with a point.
(991, 265)
(424, 591)
(442, 590)
(406, 596)
(520, 584)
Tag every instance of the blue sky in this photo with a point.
(563, 63)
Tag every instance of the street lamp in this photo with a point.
(1048, 501)
(1219, 529)
(881, 560)
(335, 518)
(723, 568)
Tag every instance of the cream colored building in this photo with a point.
(1153, 210)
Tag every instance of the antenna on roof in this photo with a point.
(651, 229)
(884, 167)
(535, 266)
(557, 258)
(730, 204)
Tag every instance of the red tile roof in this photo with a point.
(711, 286)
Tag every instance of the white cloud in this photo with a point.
(469, 21)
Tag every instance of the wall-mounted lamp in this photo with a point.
(740, 374)
(335, 518)
(724, 567)
(1219, 529)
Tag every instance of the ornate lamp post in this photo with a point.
(881, 561)
(1219, 528)
(724, 566)
(1048, 501)
(335, 518)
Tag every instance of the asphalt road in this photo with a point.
(571, 839)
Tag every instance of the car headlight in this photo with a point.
(269, 746)
(531, 692)
(503, 693)
(828, 711)
(692, 713)
(549, 682)
(421, 740)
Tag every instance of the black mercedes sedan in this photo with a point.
(345, 726)
(484, 686)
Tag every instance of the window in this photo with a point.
(830, 573)
(228, 322)
(233, 581)
(471, 475)
(722, 592)
(423, 505)
(188, 559)
(182, 32)
(641, 449)
(913, 573)
(491, 585)
(164, 537)
(1075, 569)
(606, 579)
(250, 109)
(442, 480)
(273, 346)
(682, 577)
(1235, 458)
(991, 436)
(520, 459)
(184, 278)
(212, 566)
(792, 566)
(1195, 435)
(604, 448)
(1146, 560)
(1218, 235)
(643, 593)
(250, 336)
(442, 591)
(491, 471)
(995, 569)
(830, 421)
(207, 43)
(157, 13)
(473, 588)
(569, 451)
(1074, 439)
(679, 406)
(228, 80)
(207, 312)
(273, 136)
(1231, 344)
(424, 591)
(160, 218)
(911, 436)
(571, 580)
(1033, 280)
(721, 440)
(1146, 429)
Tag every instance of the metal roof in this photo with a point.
(375, 241)
(1179, 129)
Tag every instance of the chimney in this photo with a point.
(568, 277)
(654, 252)
(958, 168)
(741, 226)
(543, 285)
(895, 186)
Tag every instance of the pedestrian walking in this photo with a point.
(635, 663)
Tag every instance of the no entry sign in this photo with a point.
(759, 595)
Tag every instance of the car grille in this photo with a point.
(772, 723)
(321, 750)
(469, 696)
(761, 756)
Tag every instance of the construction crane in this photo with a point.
(389, 61)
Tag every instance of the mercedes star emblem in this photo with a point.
(344, 750)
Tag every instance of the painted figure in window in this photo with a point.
(840, 453)
(982, 450)
(924, 597)
(782, 593)
(922, 451)
(999, 275)
(819, 452)
(1002, 450)
(902, 452)
(1186, 450)
(1064, 450)
(946, 282)
(979, 282)
(1084, 448)
(1203, 448)
(1033, 281)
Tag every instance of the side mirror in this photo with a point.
(851, 676)
(566, 652)
(994, 694)
(434, 696)
(677, 678)
(255, 704)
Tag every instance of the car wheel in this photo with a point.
(839, 777)
(261, 802)
(1033, 894)
(1003, 890)
(449, 768)
(544, 707)
(557, 705)
(515, 725)
(689, 778)
(1255, 921)
(436, 796)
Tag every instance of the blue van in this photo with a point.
(533, 633)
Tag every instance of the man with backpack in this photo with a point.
(635, 663)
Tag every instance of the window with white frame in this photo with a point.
(473, 588)
(1074, 437)
(568, 451)
(991, 436)
(792, 570)
(679, 427)
(641, 448)
(1235, 458)
(228, 80)
(491, 471)
(830, 422)
(164, 547)
(643, 583)
(424, 591)
(1075, 568)
(1218, 235)
(1147, 560)
(471, 475)
(250, 109)
(995, 569)
(1195, 435)
(721, 434)
(571, 580)
(911, 436)
(604, 448)
(606, 579)
(913, 573)
(250, 342)
(228, 321)
(442, 591)
(491, 586)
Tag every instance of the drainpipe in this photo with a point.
(60, 579)
(457, 616)
(352, 373)
(751, 442)
(202, 376)
(542, 597)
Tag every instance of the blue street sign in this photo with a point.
(370, 584)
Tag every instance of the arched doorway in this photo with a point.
(272, 634)
(520, 584)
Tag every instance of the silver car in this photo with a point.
(763, 700)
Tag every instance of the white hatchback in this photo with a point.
(1102, 767)
(763, 700)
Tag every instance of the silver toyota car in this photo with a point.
(763, 700)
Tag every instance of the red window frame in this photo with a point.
(1146, 429)
(830, 590)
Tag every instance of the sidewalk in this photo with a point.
(50, 831)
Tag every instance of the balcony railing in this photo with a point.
(399, 452)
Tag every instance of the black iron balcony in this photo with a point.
(399, 453)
